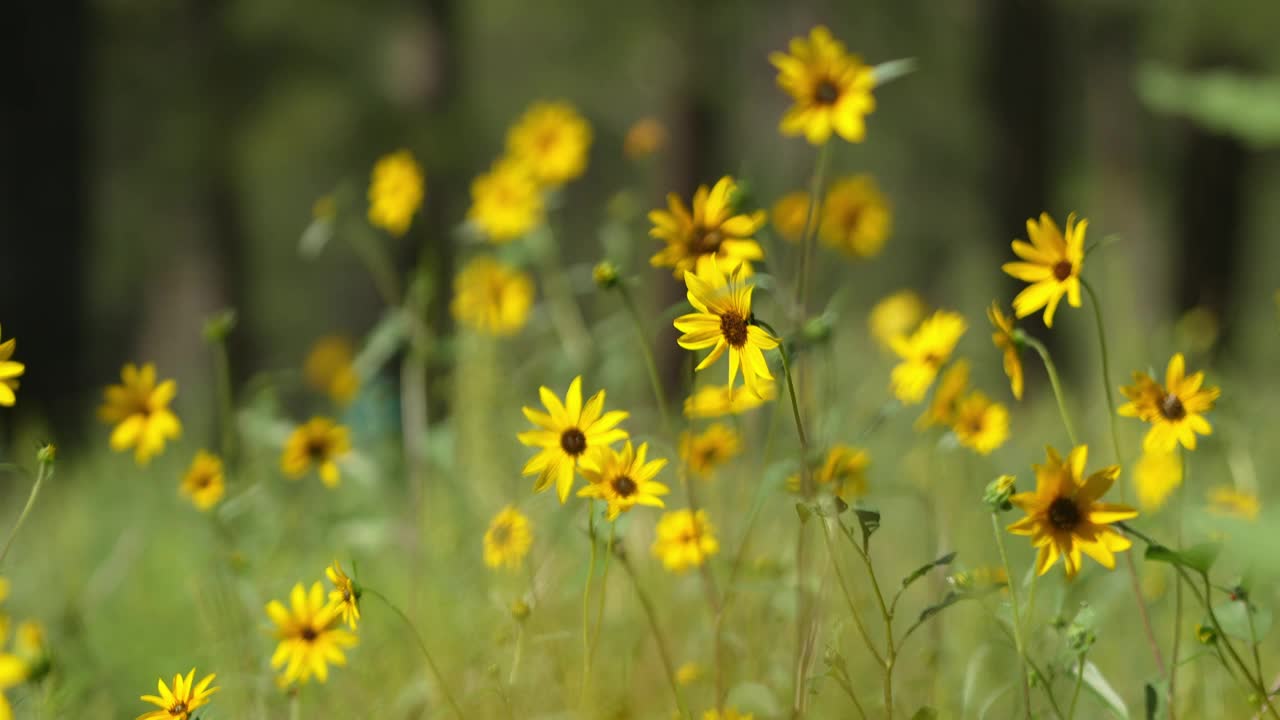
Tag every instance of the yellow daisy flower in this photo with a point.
(727, 714)
(1064, 517)
(688, 673)
(942, 408)
(13, 672)
(684, 539)
(646, 137)
(1157, 475)
(623, 479)
(843, 471)
(1051, 262)
(722, 321)
(395, 192)
(830, 87)
(896, 314)
(330, 369)
(1004, 339)
(204, 483)
(552, 139)
(856, 218)
(712, 229)
(186, 697)
(308, 634)
(508, 539)
(923, 353)
(1175, 411)
(139, 408)
(720, 400)
(506, 202)
(565, 433)
(790, 215)
(980, 424)
(492, 297)
(1229, 502)
(320, 443)
(708, 450)
(345, 595)
(10, 371)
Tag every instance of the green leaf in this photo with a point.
(1221, 101)
(804, 511)
(947, 601)
(869, 521)
(1198, 557)
(925, 713)
(887, 72)
(1102, 689)
(1234, 619)
(924, 569)
(1152, 700)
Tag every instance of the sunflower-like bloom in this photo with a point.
(308, 634)
(980, 424)
(330, 369)
(186, 697)
(14, 671)
(896, 314)
(552, 140)
(720, 400)
(1051, 262)
(345, 595)
(565, 433)
(711, 230)
(830, 87)
(1157, 475)
(708, 450)
(508, 539)
(139, 408)
(623, 479)
(942, 408)
(790, 215)
(722, 321)
(10, 371)
(492, 297)
(1175, 411)
(395, 192)
(646, 137)
(1227, 501)
(1008, 344)
(204, 484)
(318, 443)
(684, 539)
(923, 353)
(856, 218)
(1064, 517)
(843, 472)
(506, 202)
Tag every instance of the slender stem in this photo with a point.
(604, 590)
(1175, 650)
(848, 690)
(891, 652)
(519, 654)
(1052, 370)
(422, 645)
(42, 473)
(811, 226)
(1017, 617)
(295, 705)
(1258, 683)
(848, 597)
(655, 379)
(586, 603)
(1075, 694)
(658, 637)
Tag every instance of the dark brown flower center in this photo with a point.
(1064, 514)
(346, 594)
(317, 448)
(624, 486)
(309, 634)
(573, 441)
(203, 481)
(178, 707)
(1062, 270)
(734, 328)
(501, 534)
(1171, 407)
(707, 240)
(826, 93)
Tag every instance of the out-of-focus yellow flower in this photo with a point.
(727, 714)
(1051, 262)
(942, 408)
(186, 697)
(14, 671)
(688, 673)
(986, 577)
(345, 595)
(491, 297)
(923, 353)
(1230, 502)
(565, 433)
(318, 443)
(4, 589)
(790, 215)
(1175, 411)
(204, 484)
(139, 408)
(856, 218)
(623, 479)
(395, 192)
(896, 314)
(981, 424)
(508, 539)
(506, 202)
(1064, 515)
(1198, 329)
(720, 400)
(1157, 475)
(684, 540)
(552, 140)
(10, 371)
(1004, 339)
(646, 137)
(708, 450)
(722, 321)
(830, 87)
(843, 473)
(330, 369)
(712, 229)
(309, 639)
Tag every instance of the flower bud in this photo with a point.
(605, 274)
(998, 493)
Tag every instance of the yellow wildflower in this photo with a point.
(308, 634)
(1230, 502)
(204, 482)
(508, 539)
(923, 353)
(1175, 411)
(942, 408)
(790, 215)
(980, 424)
(711, 230)
(1051, 263)
(395, 192)
(688, 673)
(727, 714)
(722, 321)
(830, 87)
(139, 408)
(1004, 339)
(10, 371)
(843, 472)
(720, 400)
(491, 297)
(565, 433)
(330, 369)
(684, 540)
(345, 596)
(321, 443)
(623, 479)
(186, 697)
(708, 450)
(506, 202)
(552, 140)
(895, 314)
(1157, 475)
(856, 218)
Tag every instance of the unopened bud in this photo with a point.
(605, 274)
(998, 493)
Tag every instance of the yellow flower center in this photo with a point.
(573, 441)
(1064, 514)
(624, 486)
(1062, 270)
(1171, 407)
(826, 92)
(734, 328)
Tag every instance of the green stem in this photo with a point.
(811, 226)
(848, 690)
(891, 654)
(1017, 617)
(604, 590)
(422, 645)
(848, 597)
(658, 637)
(1258, 683)
(651, 365)
(1177, 592)
(1075, 694)
(586, 603)
(516, 658)
(43, 473)
(1052, 370)
(295, 705)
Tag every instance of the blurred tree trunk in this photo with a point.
(43, 204)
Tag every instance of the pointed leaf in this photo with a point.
(924, 569)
